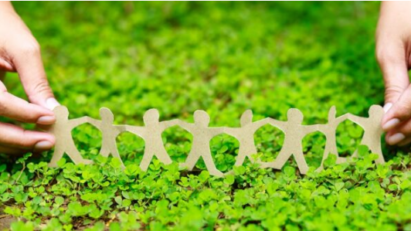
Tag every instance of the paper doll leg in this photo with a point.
(377, 150)
(240, 159)
(327, 152)
(75, 155)
(191, 161)
(211, 167)
(301, 163)
(279, 162)
(57, 155)
(104, 151)
(117, 155)
(145, 162)
(163, 156)
(341, 160)
(243, 153)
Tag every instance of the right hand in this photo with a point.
(394, 56)
(20, 52)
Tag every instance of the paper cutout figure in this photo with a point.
(109, 133)
(294, 133)
(245, 136)
(64, 141)
(329, 130)
(202, 135)
(372, 130)
(151, 134)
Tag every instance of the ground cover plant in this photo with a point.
(223, 58)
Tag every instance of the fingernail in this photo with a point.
(46, 120)
(390, 124)
(52, 103)
(43, 145)
(396, 138)
(387, 107)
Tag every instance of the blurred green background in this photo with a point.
(221, 57)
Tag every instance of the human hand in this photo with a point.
(20, 52)
(394, 56)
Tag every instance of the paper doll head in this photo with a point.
(295, 115)
(151, 117)
(202, 118)
(106, 115)
(61, 112)
(246, 118)
(376, 111)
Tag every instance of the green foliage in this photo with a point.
(223, 58)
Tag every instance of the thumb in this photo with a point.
(391, 59)
(30, 68)
(399, 112)
(397, 95)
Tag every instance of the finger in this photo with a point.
(394, 66)
(12, 136)
(399, 134)
(399, 112)
(19, 109)
(30, 68)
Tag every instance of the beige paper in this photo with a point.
(64, 141)
(202, 134)
(109, 133)
(294, 133)
(329, 130)
(245, 136)
(372, 130)
(151, 134)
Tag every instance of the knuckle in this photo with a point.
(40, 88)
(31, 48)
(392, 92)
(25, 140)
(406, 129)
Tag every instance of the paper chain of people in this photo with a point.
(202, 134)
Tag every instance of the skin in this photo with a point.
(393, 52)
(20, 52)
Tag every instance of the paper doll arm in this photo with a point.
(322, 127)
(185, 125)
(94, 122)
(258, 124)
(356, 119)
(277, 123)
(310, 128)
(170, 123)
(121, 128)
(76, 122)
(216, 131)
(341, 118)
(135, 130)
(231, 131)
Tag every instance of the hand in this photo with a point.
(394, 56)
(20, 52)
